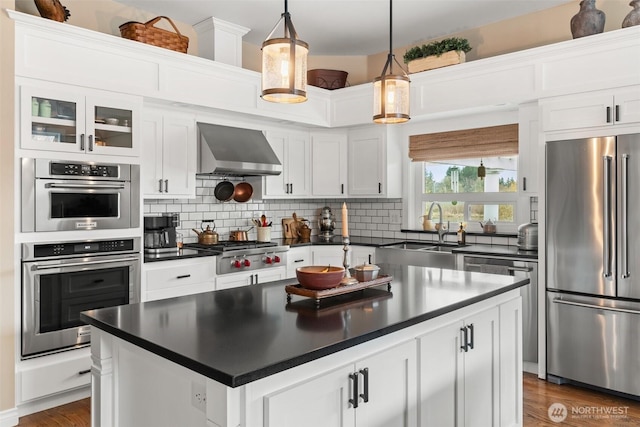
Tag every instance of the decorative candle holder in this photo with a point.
(347, 280)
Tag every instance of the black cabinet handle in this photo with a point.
(160, 185)
(298, 260)
(184, 276)
(341, 188)
(365, 377)
(524, 183)
(86, 371)
(379, 188)
(370, 261)
(291, 187)
(608, 114)
(464, 339)
(82, 142)
(471, 340)
(617, 113)
(354, 401)
(90, 142)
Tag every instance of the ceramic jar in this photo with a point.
(588, 20)
(633, 18)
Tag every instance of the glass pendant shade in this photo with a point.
(391, 99)
(284, 70)
(284, 64)
(391, 91)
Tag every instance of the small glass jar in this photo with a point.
(179, 240)
(45, 109)
(35, 107)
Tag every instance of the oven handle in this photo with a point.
(87, 187)
(582, 304)
(523, 269)
(83, 264)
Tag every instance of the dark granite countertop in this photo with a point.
(236, 336)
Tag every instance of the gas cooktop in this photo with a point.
(231, 245)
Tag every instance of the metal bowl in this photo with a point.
(319, 277)
(243, 192)
(366, 272)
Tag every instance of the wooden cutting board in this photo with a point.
(289, 229)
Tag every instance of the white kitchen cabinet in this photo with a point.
(235, 280)
(169, 162)
(68, 119)
(592, 109)
(297, 257)
(362, 255)
(294, 151)
(174, 278)
(328, 164)
(528, 148)
(385, 395)
(460, 381)
(327, 255)
(375, 163)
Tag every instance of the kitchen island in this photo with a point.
(440, 346)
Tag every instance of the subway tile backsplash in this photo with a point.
(367, 217)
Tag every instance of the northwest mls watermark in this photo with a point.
(558, 412)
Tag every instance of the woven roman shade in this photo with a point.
(491, 141)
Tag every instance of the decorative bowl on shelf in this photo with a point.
(112, 121)
(319, 277)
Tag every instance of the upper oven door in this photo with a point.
(81, 204)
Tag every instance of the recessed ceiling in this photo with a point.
(349, 27)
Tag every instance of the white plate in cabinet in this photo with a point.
(67, 119)
(169, 162)
(166, 279)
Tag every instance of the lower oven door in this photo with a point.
(54, 292)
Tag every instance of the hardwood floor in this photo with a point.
(593, 408)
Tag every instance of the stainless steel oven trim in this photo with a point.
(31, 302)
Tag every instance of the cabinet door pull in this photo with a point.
(379, 188)
(341, 188)
(160, 185)
(291, 187)
(464, 339)
(184, 276)
(608, 114)
(370, 261)
(355, 399)
(617, 113)
(524, 183)
(166, 185)
(86, 371)
(298, 260)
(90, 142)
(470, 327)
(365, 380)
(82, 142)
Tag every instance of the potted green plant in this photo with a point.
(437, 54)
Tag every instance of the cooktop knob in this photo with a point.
(268, 260)
(247, 263)
(276, 259)
(236, 263)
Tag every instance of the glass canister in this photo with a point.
(45, 108)
(35, 107)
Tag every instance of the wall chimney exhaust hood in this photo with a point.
(225, 150)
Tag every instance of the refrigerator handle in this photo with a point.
(624, 217)
(606, 229)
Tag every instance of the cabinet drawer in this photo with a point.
(179, 273)
(55, 374)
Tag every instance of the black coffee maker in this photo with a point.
(160, 232)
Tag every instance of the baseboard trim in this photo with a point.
(9, 417)
(42, 404)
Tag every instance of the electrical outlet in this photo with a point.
(199, 396)
(394, 218)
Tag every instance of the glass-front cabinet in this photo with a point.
(61, 120)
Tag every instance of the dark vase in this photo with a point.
(588, 20)
(633, 18)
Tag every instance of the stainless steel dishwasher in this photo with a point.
(520, 268)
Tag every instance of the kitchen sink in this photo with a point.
(424, 254)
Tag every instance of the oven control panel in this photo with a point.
(46, 250)
(84, 169)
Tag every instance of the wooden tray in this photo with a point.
(340, 290)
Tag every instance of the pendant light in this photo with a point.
(284, 64)
(391, 91)
(482, 171)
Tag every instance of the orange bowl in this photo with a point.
(318, 277)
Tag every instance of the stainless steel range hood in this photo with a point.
(225, 150)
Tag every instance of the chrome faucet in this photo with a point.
(440, 228)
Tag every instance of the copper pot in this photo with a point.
(207, 236)
(239, 235)
(242, 192)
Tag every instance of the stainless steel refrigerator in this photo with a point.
(593, 261)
